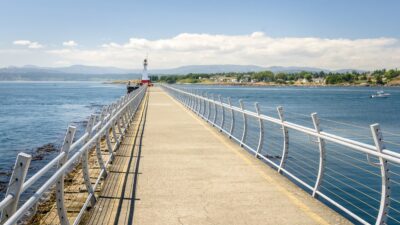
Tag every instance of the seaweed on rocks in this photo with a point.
(44, 150)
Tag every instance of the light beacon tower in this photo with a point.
(145, 75)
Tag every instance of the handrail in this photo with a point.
(356, 145)
(379, 151)
(124, 108)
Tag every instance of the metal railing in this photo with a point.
(116, 116)
(359, 179)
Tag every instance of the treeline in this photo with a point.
(376, 77)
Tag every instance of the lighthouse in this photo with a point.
(145, 75)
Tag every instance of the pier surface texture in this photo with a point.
(176, 169)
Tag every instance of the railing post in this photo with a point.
(118, 121)
(385, 186)
(113, 124)
(188, 99)
(209, 108)
(194, 100)
(62, 212)
(130, 111)
(185, 100)
(322, 153)
(205, 106)
(16, 183)
(244, 134)
(108, 139)
(232, 118)
(222, 113)
(204, 95)
(85, 162)
(198, 103)
(261, 133)
(191, 99)
(98, 145)
(285, 133)
(123, 118)
(126, 117)
(215, 111)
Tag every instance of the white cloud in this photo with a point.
(256, 49)
(70, 43)
(29, 44)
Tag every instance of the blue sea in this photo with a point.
(36, 114)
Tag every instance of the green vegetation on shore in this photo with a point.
(377, 77)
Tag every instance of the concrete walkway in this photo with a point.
(191, 174)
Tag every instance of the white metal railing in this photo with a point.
(344, 189)
(116, 116)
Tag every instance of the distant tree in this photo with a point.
(153, 78)
(308, 77)
(379, 79)
(362, 77)
(281, 76)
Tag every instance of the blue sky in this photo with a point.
(91, 24)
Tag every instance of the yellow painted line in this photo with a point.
(288, 194)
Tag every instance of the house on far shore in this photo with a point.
(319, 80)
(304, 81)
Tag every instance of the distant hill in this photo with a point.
(75, 69)
(210, 69)
(241, 68)
(84, 73)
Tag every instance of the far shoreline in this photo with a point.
(262, 84)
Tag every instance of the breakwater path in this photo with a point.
(189, 173)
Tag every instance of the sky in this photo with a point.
(331, 34)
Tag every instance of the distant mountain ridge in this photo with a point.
(82, 72)
(74, 69)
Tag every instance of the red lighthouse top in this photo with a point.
(145, 75)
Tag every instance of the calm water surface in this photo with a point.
(337, 107)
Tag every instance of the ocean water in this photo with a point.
(36, 114)
(349, 178)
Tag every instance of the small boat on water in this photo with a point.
(380, 94)
(131, 87)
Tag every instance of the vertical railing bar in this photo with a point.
(222, 113)
(108, 139)
(194, 101)
(197, 103)
(191, 99)
(124, 120)
(322, 153)
(85, 161)
(185, 100)
(261, 132)
(232, 118)
(385, 183)
(285, 133)
(215, 111)
(16, 183)
(113, 125)
(208, 108)
(60, 200)
(118, 123)
(204, 106)
(98, 145)
(244, 134)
